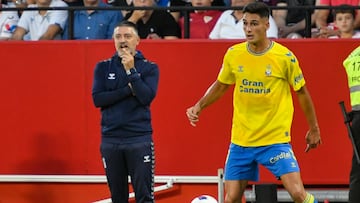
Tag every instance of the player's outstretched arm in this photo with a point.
(312, 137)
(214, 92)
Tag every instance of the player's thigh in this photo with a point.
(279, 159)
(240, 164)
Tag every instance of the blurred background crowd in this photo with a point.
(166, 19)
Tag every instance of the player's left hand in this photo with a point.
(313, 139)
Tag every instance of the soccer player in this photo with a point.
(262, 72)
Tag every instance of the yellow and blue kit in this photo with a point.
(263, 108)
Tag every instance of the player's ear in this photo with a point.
(267, 23)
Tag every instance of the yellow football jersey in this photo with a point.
(262, 100)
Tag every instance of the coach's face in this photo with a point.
(255, 27)
(126, 38)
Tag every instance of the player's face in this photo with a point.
(125, 38)
(345, 22)
(255, 27)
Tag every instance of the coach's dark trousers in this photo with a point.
(134, 160)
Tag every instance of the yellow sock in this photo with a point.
(310, 198)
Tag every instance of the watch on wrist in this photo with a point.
(131, 71)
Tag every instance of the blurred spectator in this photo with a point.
(19, 4)
(269, 2)
(74, 2)
(291, 21)
(93, 24)
(129, 3)
(121, 3)
(324, 21)
(201, 21)
(344, 21)
(42, 24)
(8, 22)
(162, 2)
(230, 24)
(153, 24)
(178, 14)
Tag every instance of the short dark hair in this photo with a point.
(345, 8)
(257, 7)
(126, 23)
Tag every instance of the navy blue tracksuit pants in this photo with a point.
(136, 160)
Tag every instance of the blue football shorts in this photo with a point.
(242, 163)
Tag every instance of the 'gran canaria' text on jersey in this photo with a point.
(253, 87)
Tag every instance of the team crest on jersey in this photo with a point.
(241, 68)
(268, 70)
(111, 76)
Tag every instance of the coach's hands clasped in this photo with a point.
(313, 139)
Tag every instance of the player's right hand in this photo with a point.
(193, 114)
